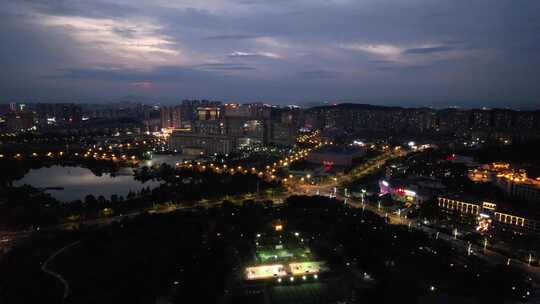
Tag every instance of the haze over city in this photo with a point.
(407, 53)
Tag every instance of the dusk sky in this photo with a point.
(401, 52)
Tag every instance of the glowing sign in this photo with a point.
(409, 192)
(278, 227)
(328, 165)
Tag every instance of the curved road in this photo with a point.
(48, 271)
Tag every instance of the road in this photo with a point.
(45, 268)
(487, 255)
(7, 239)
(334, 189)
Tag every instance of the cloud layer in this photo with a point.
(415, 52)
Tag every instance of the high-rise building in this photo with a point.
(57, 113)
(171, 117)
(282, 134)
(196, 143)
(208, 113)
(480, 119)
(165, 115)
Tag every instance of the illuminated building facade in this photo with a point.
(524, 188)
(208, 113)
(205, 143)
(513, 182)
(488, 209)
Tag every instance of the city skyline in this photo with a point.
(472, 55)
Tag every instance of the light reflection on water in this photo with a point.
(79, 182)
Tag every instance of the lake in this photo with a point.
(78, 182)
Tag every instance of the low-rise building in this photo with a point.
(487, 209)
(513, 182)
(414, 190)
